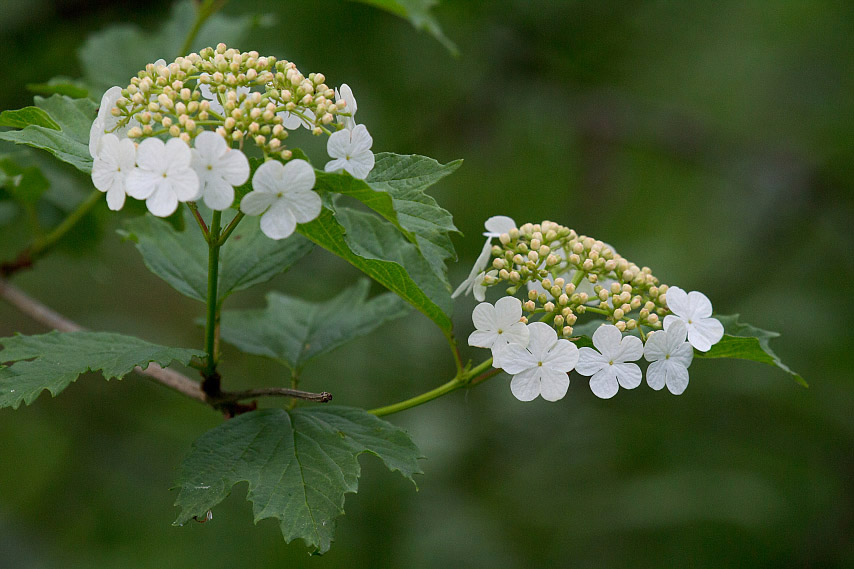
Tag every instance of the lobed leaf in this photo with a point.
(395, 189)
(381, 252)
(298, 464)
(181, 257)
(746, 342)
(60, 86)
(67, 138)
(54, 360)
(22, 118)
(294, 331)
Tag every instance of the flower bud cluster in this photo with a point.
(568, 274)
(242, 96)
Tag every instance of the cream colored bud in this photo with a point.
(260, 140)
(649, 305)
(147, 130)
(621, 326)
(166, 122)
(254, 127)
(631, 324)
(229, 123)
(577, 248)
(515, 277)
(530, 306)
(547, 284)
(275, 143)
(583, 297)
(567, 331)
(174, 130)
(569, 288)
(203, 116)
(558, 321)
(626, 308)
(635, 303)
(221, 131)
(255, 113)
(563, 300)
(571, 319)
(653, 319)
(327, 118)
(662, 298)
(181, 109)
(190, 125)
(518, 259)
(135, 132)
(535, 243)
(587, 265)
(185, 137)
(513, 233)
(498, 263)
(643, 314)
(618, 313)
(574, 259)
(532, 295)
(603, 295)
(593, 277)
(533, 256)
(138, 99)
(237, 135)
(543, 251)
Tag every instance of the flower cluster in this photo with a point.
(177, 132)
(567, 275)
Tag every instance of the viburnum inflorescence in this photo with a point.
(245, 99)
(564, 275)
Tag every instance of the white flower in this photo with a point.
(213, 97)
(219, 169)
(292, 121)
(670, 355)
(542, 367)
(495, 226)
(106, 122)
(347, 95)
(163, 175)
(609, 366)
(114, 161)
(351, 152)
(694, 309)
(499, 325)
(283, 194)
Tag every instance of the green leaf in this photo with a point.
(60, 86)
(26, 185)
(181, 258)
(746, 342)
(70, 143)
(52, 361)
(298, 464)
(381, 252)
(294, 331)
(418, 14)
(22, 118)
(113, 56)
(395, 190)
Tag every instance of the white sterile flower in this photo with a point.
(114, 161)
(106, 122)
(293, 121)
(478, 289)
(163, 175)
(283, 194)
(541, 368)
(670, 355)
(219, 169)
(609, 368)
(351, 152)
(347, 95)
(695, 310)
(495, 226)
(499, 325)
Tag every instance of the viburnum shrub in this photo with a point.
(211, 137)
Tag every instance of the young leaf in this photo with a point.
(52, 361)
(395, 189)
(294, 331)
(747, 342)
(70, 141)
(418, 14)
(181, 258)
(298, 464)
(113, 56)
(381, 252)
(60, 86)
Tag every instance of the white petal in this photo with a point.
(360, 164)
(479, 265)
(677, 378)
(525, 385)
(360, 139)
(141, 183)
(338, 145)
(177, 155)
(590, 361)
(631, 349)
(268, 177)
(116, 197)
(604, 384)
(699, 304)
(656, 374)
(482, 338)
(336, 165)
(162, 202)
(96, 131)
(218, 194)
(508, 311)
(257, 202)
(677, 301)
(185, 183)
(517, 333)
(629, 375)
(607, 340)
(683, 354)
(562, 357)
(484, 318)
(515, 359)
(553, 384)
(278, 222)
(542, 338)
(498, 224)
(210, 146)
(704, 333)
(656, 346)
(298, 175)
(233, 167)
(305, 205)
(151, 155)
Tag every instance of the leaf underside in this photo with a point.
(298, 464)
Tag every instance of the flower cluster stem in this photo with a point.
(213, 305)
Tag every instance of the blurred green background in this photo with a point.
(710, 141)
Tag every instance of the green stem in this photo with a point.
(212, 321)
(456, 351)
(41, 246)
(230, 228)
(462, 379)
(578, 277)
(206, 10)
(601, 311)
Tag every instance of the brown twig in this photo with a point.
(172, 379)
